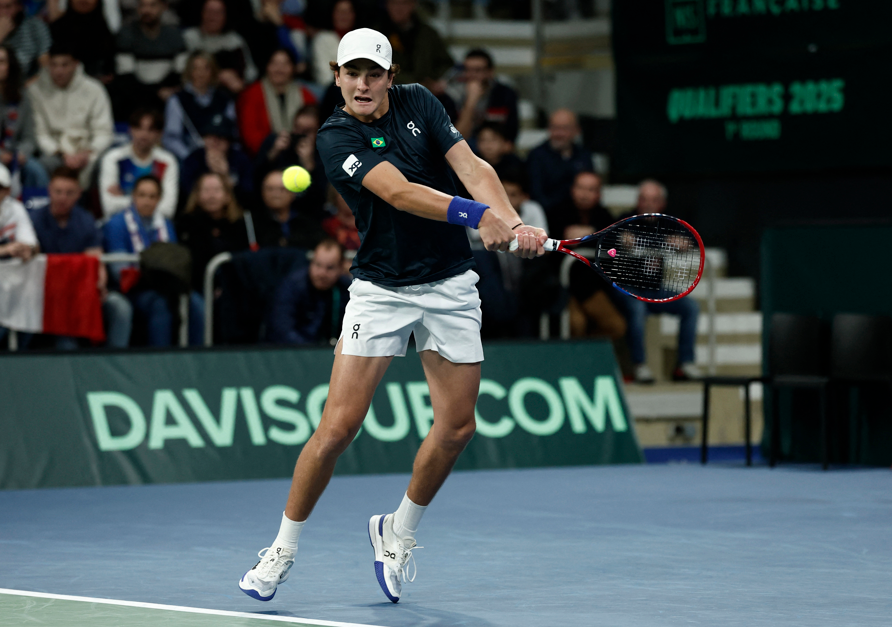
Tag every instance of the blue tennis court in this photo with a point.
(614, 545)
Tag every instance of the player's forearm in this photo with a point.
(483, 184)
(421, 201)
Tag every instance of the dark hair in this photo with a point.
(496, 127)
(334, 67)
(148, 177)
(328, 242)
(480, 53)
(147, 112)
(64, 172)
(587, 171)
(61, 47)
(515, 175)
(285, 51)
(307, 109)
(12, 86)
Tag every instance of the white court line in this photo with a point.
(178, 608)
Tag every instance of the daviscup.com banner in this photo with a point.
(101, 419)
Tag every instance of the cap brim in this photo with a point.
(375, 58)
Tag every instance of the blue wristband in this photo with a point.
(465, 212)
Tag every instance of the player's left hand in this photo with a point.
(530, 241)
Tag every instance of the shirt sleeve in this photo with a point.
(437, 120)
(346, 154)
(24, 230)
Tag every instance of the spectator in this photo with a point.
(132, 231)
(480, 9)
(418, 49)
(652, 196)
(325, 42)
(213, 35)
(111, 12)
(83, 30)
(17, 237)
(309, 305)
(553, 164)
(220, 155)
(28, 36)
(123, 165)
(530, 212)
(592, 312)
(270, 104)
(282, 150)
(72, 116)
(485, 99)
(284, 221)
(201, 100)
(496, 149)
(341, 224)
(151, 57)
(130, 12)
(17, 124)
(212, 223)
(279, 25)
(63, 227)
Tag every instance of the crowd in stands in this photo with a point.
(128, 124)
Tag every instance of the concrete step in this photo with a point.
(746, 324)
(733, 294)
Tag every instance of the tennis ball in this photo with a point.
(296, 179)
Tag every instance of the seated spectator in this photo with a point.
(72, 116)
(309, 304)
(83, 30)
(17, 237)
(515, 183)
(132, 231)
(123, 165)
(130, 12)
(652, 196)
(17, 124)
(282, 220)
(212, 223)
(279, 25)
(150, 60)
(325, 42)
(418, 49)
(270, 104)
(111, 12)
(214, 35)
(341, 223)
(553, 164)
(298, 147)
(485, 99)
(28, 36)
(64, 227)
(221, 156)
(496, 149)
(592, 310)
(192, 108)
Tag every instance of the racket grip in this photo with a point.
(550, 245)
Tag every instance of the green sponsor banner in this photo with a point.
(99, 419)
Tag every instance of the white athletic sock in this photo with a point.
(289, 532)
(406, 518)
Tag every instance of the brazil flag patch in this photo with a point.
(378, 142)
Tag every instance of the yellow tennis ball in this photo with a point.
(296, 179)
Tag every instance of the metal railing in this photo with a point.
(709, 281)
(183, 335)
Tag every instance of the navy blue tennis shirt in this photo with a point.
(397, 248)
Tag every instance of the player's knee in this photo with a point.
(333, 441)
(460, 435)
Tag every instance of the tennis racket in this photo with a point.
(652, 257)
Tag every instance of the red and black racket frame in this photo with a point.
(595, 238)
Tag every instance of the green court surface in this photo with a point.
(34, 608)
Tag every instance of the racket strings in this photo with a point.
(654, 257)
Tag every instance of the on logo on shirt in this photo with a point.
(351, 164)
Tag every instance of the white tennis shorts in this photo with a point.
(444, 316)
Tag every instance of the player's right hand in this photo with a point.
(495, 232)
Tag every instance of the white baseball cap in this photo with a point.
(5, 178)
(365, 43)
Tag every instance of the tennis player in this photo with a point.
(388, 151)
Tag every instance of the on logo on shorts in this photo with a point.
(351, 165)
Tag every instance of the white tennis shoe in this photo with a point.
(392, 555)
(261, 581)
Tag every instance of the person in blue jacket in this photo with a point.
(309, 304)
(132, 231)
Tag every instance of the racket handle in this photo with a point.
(550, 245)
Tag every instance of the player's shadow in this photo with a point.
(403, 615)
